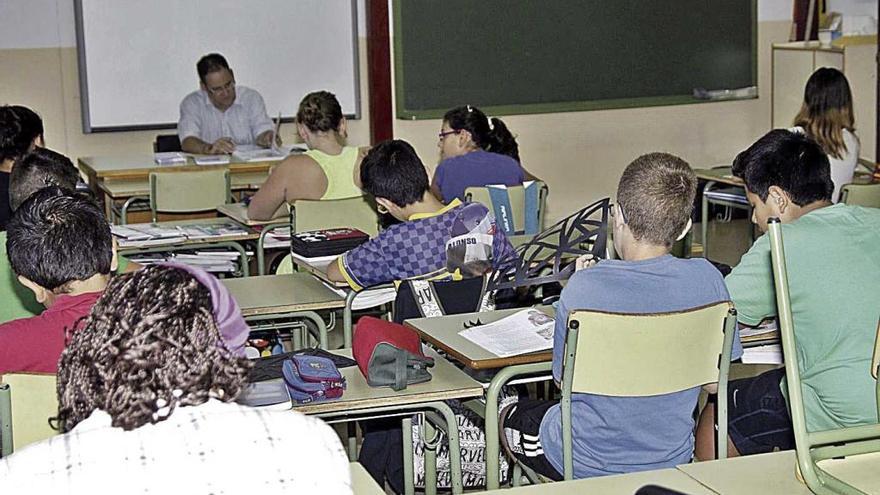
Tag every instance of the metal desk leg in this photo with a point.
(261, 249)
(704, 222)
(346, 318)
(409, 480)
(431, 447)
(492, 447)
(307, 315)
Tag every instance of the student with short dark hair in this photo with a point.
(21, 130)
(328, 170)
(60, 247)
(221, 115)
(475, 151)
(833, 281)
(624, 434)
(146, 396)
(419, 246)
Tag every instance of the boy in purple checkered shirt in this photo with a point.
(434, 241)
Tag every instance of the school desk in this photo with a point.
(443, 332)
(748, 475)
(361, 481)
(118, 178)
(619, 484)
(360, 401)
(283, 301)
(233, 242)
(320, 272)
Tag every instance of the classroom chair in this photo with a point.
(729, 197)
(838, 461)
(305, 215)
(27, 401)
(617, 354)
(187, 192)
(166, 142)
(861, 195)
(875, 366)
(499, 199)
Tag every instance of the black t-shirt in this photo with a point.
(5, 211)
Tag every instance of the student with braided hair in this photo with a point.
(145, 394)
(328, 170)
(475, 150)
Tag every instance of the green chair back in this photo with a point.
(813, 447)
(861, 195)
(516, 196)
(27, 401)
(326, 214)
(188, 191)
(306, 214)
(627, 355)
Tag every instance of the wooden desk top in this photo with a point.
(361, 481)
(443, 332)
(238, 212)
(720, 174)
(274, 294)
(448, 382)
(139, 166)
(762, 473)
(621, 484)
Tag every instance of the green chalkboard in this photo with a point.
(537, 56)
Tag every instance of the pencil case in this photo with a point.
(312, 379)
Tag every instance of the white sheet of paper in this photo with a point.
(529, 330)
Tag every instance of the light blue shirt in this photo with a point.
(625, 434)
(243, 121)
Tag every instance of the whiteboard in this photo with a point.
(137, 59)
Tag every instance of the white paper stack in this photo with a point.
(169, 158)
(764, 354)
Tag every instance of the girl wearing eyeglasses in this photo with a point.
(475, 150)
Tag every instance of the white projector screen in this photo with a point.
(137, 59)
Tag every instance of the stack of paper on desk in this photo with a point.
(211, 159)
(764, 354)
(529, 330)
(151, 234)
(251, 153)
(169, 158)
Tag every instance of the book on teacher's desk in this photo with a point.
(326, 242)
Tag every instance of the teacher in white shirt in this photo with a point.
(221, 115)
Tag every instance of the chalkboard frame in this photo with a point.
(570, 106)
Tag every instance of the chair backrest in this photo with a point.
(617, 353)
(875, 360)
(811, 447)
(188, 191)
(508, 203)
(861, 195)
(27, 401)
(330, 213)
(166, 142)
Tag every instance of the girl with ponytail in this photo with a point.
(475, 150)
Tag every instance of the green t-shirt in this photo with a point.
(834, 279)
(16, 300)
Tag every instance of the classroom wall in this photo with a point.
(38, 68)
(579, 154)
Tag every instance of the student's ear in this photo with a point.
(303, 132)
(114, 261)
(384, 205)
(38, 142)
(41, 293)
(687, 228)
(343, 128)
(778, 199)
(617, 218)
(465, 138)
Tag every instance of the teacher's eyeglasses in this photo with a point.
(223, 89)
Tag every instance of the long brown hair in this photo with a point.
(827, 110)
